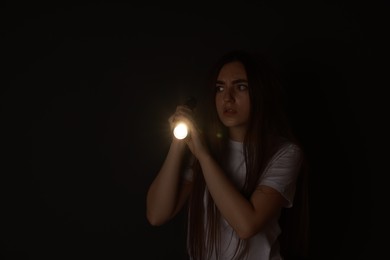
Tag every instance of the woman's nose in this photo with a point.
(228, 95)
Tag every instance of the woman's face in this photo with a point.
(232, 99)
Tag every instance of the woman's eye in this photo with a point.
(242, 87)
(218, 88)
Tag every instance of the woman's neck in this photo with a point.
(237, 134)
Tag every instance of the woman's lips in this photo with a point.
(229, 112)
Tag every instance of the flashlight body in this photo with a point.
(180, 130)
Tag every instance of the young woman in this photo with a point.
(243, 170)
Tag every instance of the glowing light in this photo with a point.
(180, 131)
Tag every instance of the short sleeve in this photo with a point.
(282, 171)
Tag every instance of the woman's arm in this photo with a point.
(246, 217)
(168, 192)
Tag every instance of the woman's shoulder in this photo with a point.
(288, 147)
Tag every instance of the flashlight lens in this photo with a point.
(180, 131)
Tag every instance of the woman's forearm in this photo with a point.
(234, 207)
(162, 196)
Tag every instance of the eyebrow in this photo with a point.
(234, 81)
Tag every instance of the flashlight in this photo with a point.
(180, 131)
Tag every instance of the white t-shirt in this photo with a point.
(280, 174)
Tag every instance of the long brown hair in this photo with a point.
(268, 125)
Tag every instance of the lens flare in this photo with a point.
(180, 131)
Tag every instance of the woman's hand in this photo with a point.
(194, 140)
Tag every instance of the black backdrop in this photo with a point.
(89, 88)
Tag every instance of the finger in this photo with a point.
(183, 109)
(185, 112)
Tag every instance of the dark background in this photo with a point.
(87, 90)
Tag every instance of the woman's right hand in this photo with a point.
(182, 113)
